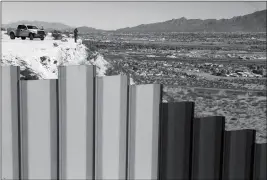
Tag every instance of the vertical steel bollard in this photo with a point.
(176, 130)
(238, 154)
(39, 129)
(260, 159)
(207, 149)
(111, 127)
(9, 122)
(76, 122)
(143, 144)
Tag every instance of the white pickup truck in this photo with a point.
(27, 31)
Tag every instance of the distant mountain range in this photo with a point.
(48, 26)
(85, 29)
(254, 22)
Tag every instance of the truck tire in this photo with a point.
(42, 38)
(31, 36)
(23, 38)
(12, 36)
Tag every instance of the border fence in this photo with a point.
(81, 126)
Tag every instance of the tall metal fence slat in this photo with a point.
(76, 122)
(9, 122)
(39, 128)
(207, 149)
(176, 122)
(111, 127)
(260, 160)
(238, 154)
(1, 103)
(144, 112)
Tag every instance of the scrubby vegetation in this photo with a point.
(91, 50)
(57, 35)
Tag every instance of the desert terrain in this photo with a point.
(224, 73)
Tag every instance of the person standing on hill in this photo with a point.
(75, 34)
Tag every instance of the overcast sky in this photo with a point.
(113, 15)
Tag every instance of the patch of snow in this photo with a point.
(41, 58)
(171, 56)
(101, 65)
(164, 101)
(151, 56)
(132, 81)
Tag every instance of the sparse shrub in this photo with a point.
(111, 71)
(27, 74)
(64, 40)
(233, 119)
(91, 49)
(55, 44)
(90, 45)
(258, 71)
(66, 33)
(57, 35)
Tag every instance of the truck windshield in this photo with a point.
(32, 27)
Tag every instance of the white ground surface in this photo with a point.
(42, 57)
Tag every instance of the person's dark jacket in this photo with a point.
(75, 32)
